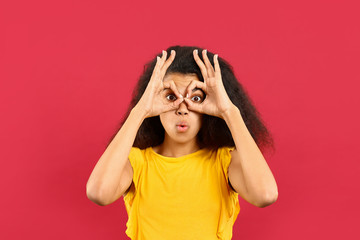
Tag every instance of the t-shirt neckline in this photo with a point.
(174, 159)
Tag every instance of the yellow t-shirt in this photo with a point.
(181, 198)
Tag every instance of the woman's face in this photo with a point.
(182, 125)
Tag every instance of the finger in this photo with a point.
(209, 67)
(200, 64)
(167, 63)
(176, 103)
(193, 107)
(195, 84)
(217, 66)
(171, 84)
(156, 70)
(163, 58)
(172, 105)
(157, 64)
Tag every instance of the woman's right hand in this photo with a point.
(154, 101)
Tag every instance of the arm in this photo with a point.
(249, 173)
(112, 174)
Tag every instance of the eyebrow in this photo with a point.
(194, 90)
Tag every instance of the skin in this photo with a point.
(216, 103)
(177, 143)
(153, 102)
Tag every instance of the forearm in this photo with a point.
(259, 181)
(105, 177)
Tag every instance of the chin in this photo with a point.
(182, 137)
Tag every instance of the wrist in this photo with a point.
(139, 112)
(230, 112)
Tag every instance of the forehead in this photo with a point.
(180, 79)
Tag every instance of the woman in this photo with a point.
(186, 149)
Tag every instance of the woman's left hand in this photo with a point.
(216, 102)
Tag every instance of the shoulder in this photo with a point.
(224, 156)
(138, 151)
(137, 156)
(225, 152)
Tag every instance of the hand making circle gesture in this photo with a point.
(217, 102)
(153, 101)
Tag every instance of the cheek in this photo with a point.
(198, 120)
(164, 119)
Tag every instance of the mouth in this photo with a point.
(182, 127)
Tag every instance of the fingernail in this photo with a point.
(216, 56)
(205, 51)
(172, 51)
(157, 58)
(181, 96)
(196, 51)
(187, 95)
(163, 52)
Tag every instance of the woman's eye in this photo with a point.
(171, 97)
(196, 98)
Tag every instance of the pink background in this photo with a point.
(67, 71)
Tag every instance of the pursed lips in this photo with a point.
(182, 124)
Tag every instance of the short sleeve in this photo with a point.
(136, 158)
(225, 160)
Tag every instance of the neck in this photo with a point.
(176, 149)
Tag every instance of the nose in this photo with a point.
(182, 110)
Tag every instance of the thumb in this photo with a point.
(192, 106)
(174, 105)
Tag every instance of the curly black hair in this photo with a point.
(214, 132)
